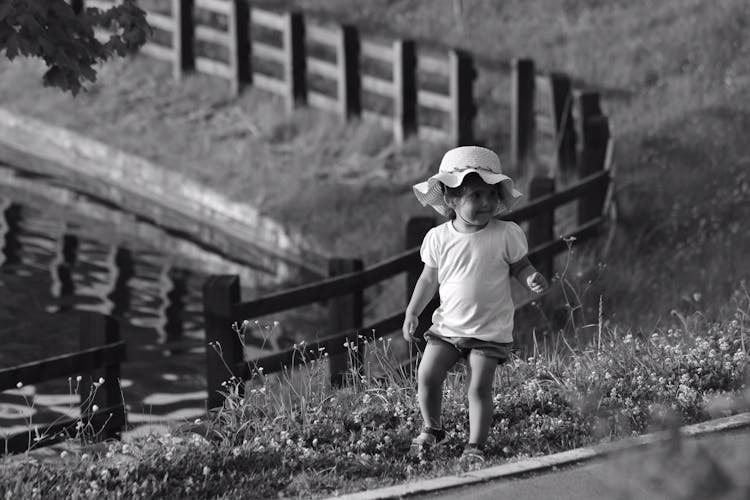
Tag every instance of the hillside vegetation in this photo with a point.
(674, 78)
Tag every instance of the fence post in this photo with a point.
(586, 105)
(220, 293)
(346, 313)
(405, 89)
(348, 81)
(562, 97)
(95, 330)
(294, 65)
(239, 44)
(542, 226)
(182, 38)
(596, 135)
(522, 113)
(462, 74)
(416, 229)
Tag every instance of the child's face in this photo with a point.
(476, 206)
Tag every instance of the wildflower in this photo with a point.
(78, 378)
(101, 380)
(95, 408)
(63, 454)
(206, 470)
(19, 385)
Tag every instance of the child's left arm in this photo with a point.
(525, 272)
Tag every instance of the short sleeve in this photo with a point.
(516, 246)
(429, 250)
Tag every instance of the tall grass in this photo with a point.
(293, 435)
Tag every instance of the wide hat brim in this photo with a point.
(430, 192)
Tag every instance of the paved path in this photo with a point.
(713, 456)
(641, 474)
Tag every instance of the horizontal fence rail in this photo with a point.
(344, 290)
(336, 343)
(344, 284)
(102, 409)
(62, 366)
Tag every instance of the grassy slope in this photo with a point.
(675, 79)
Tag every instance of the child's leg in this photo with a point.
(438, 358)
(480, 396)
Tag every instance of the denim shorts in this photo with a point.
(465, 345)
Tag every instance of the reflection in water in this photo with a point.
(61, 270)
(9, 215)
(173, 295)
(72, 260)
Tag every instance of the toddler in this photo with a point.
(469, 259)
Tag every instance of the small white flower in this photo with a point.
(101, 380)
(19, 385)
(206, 470)
(63, 454)
(95, 408)
(79, 378)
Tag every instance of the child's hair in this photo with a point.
(458, 191)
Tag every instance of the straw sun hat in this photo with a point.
(457, 164)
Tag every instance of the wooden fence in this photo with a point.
(349, 278)
(100, 347)
(412, 88)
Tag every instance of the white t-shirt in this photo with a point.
(474, 276)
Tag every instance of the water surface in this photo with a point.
(62, 253)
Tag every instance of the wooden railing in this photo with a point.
(414, 88)
(349, 278)
(102, 409)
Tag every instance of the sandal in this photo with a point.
(428, 438)
(473, 453)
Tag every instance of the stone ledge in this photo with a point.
(122, 176)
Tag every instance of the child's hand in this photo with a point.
(536, 282)
(410, 326)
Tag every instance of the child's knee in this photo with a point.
(480, 390)
(429, 375)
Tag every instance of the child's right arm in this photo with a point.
(424, 291)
